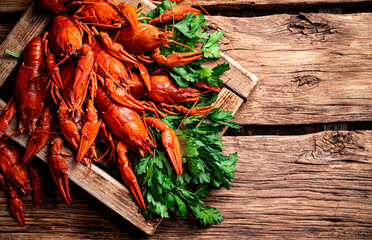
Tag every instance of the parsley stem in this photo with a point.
(13, 54)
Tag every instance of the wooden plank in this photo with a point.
(227, 101)
(22, 5)
(96, 182)
(15, 5)
(5, 29)
(268, 4)
(30, 25)
(314, 68)
(239, 80)
(292, 187)
(286, 187)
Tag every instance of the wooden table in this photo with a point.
(305, 150)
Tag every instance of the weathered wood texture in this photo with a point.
(304, 187)
(267, 4)
(15, 5)
(5, 30)
(238, 79)
(313, 68)
(21, 5)
(30, 25)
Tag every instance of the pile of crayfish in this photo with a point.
(86, 80)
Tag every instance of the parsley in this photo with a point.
(205, 167)
(212, 47)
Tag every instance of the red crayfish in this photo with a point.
(95, 58)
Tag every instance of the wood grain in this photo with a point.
(14, 5)
(5, 29)
(21, 5)
(300, 187)
(227, 101)
(267, 4)
(313, 68)
(314, 186)
(29, 26)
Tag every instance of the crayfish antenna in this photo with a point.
(202, 7)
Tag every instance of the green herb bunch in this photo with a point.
(204, 165)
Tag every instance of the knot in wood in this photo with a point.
(309, 25)
(306, 80)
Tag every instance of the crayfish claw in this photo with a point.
(37, 185)
(172, 145)
(58, 168)
(130, 13)
(40, 136)
(128, 176)
(89, 131)
(195, 111)
(16, 206)
(176, 59)
(170, 142)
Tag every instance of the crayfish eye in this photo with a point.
(61, 51)
(113, 22)
(161, 36)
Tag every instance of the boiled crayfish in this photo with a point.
(87, 77)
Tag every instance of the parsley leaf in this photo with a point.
(211, 46)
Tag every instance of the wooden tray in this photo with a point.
(98, 183)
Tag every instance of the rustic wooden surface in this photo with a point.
(313, 186)
(116, 196)
(313, 68)
(21, 5)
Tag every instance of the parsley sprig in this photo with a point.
(205, 167)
